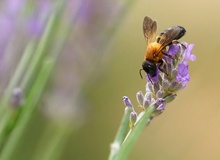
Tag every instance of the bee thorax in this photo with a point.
(152, 52)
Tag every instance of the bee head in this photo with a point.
(149, 67)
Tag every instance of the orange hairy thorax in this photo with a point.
(152, 53)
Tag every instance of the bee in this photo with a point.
(155, 51)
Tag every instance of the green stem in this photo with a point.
(35, 95)
(7, 114)
(115, 146)
(16, 77)
(55, 144)
(32, 62)
(40, 51)
(37, 75)
(134, 134)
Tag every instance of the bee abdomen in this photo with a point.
(174, 32)
(181, 33)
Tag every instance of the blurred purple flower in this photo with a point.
(13, 7)
(8, 19)
(16, 23)
(7, 26)
(35, 28)
(8, 23)
(36, 21)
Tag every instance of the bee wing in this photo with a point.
(170, 34)
(149, 28)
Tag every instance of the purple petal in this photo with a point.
(160, 104)
(182, 69)
(188, 55)
(173, 50)
(153, 79)
(192, 57)
(183, 74)
(161, 107)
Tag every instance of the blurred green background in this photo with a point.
(189, 127)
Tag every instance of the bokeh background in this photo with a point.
(100, 65)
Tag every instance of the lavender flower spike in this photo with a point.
(163, 90)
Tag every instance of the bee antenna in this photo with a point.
(140, 73)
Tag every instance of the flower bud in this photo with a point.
(127, 102)
(133, 118)
(170, 97)
(140, 98)
(17, 98)
(160, 94)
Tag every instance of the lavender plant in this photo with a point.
(160, 90)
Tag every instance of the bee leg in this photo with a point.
(158, 39)
(176, 42)
(168, 55)
(183, 45)
(160, 67)
(173, 58)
